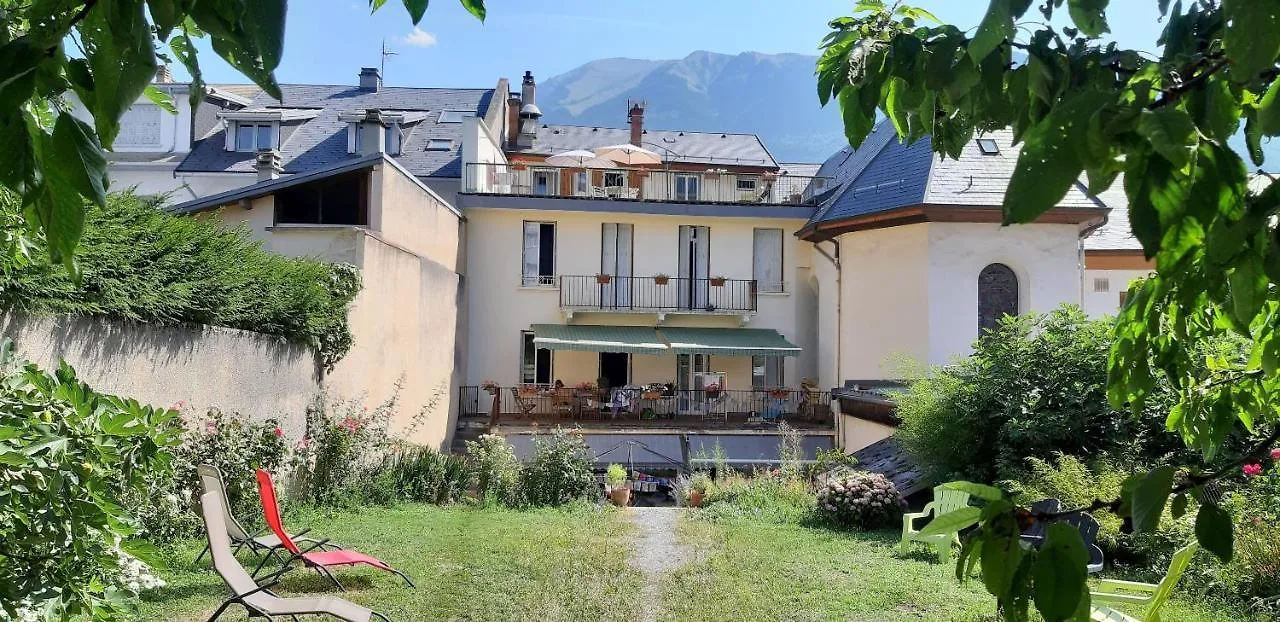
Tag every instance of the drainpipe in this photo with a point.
(1088, 231)
(834, 258)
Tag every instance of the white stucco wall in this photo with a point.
(885, 300)
(1103, 303)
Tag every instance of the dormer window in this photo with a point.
(439, 144)
(454, 116)
(254, 136)
(392, 138)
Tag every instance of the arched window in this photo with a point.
(997, 295)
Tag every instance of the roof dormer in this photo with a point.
(253, 130)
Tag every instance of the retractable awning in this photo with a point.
(729, 341)
(629, 339)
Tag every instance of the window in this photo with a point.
(338, 200)
(254, 136)
(539, 256)
(997, 295)
(535, 362)
(140, 126)
(439, 144)
(581, 184)
(766, 372)
(545, 182)
(1124, 297)
(454, 116)
(988, 146)
(747, 184)
(687, 187)
(1102, 285)
(392, 138)
(767, 260)
(615, 179)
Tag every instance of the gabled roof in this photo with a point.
(675, 146)
(885, 174)
(322, 141)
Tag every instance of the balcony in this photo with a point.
(657, 294)
(645, 184)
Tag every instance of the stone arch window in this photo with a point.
(997, 295)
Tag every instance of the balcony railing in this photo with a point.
(657, 293)
(529, 404)
(637, 184)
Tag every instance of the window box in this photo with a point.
(717, 281)
(517, 166)
(603, 279)
(661, 279)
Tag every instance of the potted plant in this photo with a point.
(779, 394)
(712, 390)
(698, 485)
(661, 279)
(718, 281)
(616, 479)
(491, 387)
(603, 279)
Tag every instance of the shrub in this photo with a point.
(1254, 572)
(339, 458)
(615, 476)
(496, 469)
(860, 500)
(68, 455)
(832, 460)
(764, 495)
(425, 475)
(143, 264)
(560, 471)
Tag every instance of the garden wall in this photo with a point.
(204, 366)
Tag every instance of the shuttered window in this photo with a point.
(539, 255)
(768, 260)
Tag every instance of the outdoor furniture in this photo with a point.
(944, 501)
(258, 600)
(809, 401)
(525, 404)
(320, 561)
(564, 403)
(212, 481)
(1085, 523)
(1151, 596)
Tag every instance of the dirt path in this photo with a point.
(656, 552)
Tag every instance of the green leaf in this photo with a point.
(1253, 138)
(1050, 162)
(1059, 573)
(148, 553)
(1090, 16)
(475, 7)
(118, 40)
(416, 8)
(1248, 286)
(952, 522)
(1269, 110)
(1251, 39)
(160, 99)
(1171, 133)
(857, 125)
(1001, 556)
(997, 26)
(1149, 498)
(981, 491)
(1179, 506)
(264, 21)
(79, 158)
(1214, 531)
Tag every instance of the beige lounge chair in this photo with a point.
(258, 600)
(268, 544)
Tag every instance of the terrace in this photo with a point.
(657, 294)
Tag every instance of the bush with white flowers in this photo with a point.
(859, 499)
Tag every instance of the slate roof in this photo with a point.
(322, 141)
(1115, 234)
(887, 458)
(676, 146)
(885, 174)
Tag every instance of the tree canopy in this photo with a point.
(1158, 123)
(106, 53)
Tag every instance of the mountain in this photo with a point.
(771, 95)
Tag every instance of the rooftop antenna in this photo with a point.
(385, 53)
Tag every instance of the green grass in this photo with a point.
(468, 564)
(752, 570)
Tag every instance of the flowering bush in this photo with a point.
(344, 446)
(496, 469)
(559, 472)
(860, 499)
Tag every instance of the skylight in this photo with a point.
(988, 146)
(454, 116)
(439, 144)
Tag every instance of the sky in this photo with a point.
(327, 41)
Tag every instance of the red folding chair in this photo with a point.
(320, 561)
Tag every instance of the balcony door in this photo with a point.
(615, 260)
(695, 256)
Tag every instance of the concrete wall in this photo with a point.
(1107, 302)
(857, 433)
(235, 371)
(499, 307)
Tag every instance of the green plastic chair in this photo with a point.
(1153, 597)
(944, 501)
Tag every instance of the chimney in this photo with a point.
(635, 118)
(530, 115)
(513, 119)
(528, 89)
(164, 75)
(373, 133)
(370, 79)
(268, 165)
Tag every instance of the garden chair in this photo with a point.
(944, 501)
(259, 600)
(564, 402)
(1084, 522)
(1043, 506)
(523, 403)
(1150, 596)
(320, 561)
(212, 481)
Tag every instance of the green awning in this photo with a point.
(630, 339)
(729, 341)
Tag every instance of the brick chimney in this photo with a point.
(635, 118)
(373, 133)
(370, 79)
(164, 75)
(268, 164)
(513, 119)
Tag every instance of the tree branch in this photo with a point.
(1172, 94)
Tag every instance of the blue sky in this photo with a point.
(327, 41)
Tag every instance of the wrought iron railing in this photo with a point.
(645, 184)
(657, 293)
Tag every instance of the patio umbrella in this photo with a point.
(579, 158)
(629, 154)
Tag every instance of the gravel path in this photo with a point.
(656, 552)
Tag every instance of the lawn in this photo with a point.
(753, 570)
(468, 564)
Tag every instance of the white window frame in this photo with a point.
(273, 133)
(553, 181)
(762, 380)
(439, 144)
(536, 278)
(604, 181)
(526, 340)
(680, 194)
(581, 184)
(764, 284)
(754, 185)
(454, 116)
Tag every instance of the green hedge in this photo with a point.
(142, 264)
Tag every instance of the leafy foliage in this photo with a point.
(425, 475)
(1086, 109)
(496, 469)
(67, 455)
(559, 472)
(52, 159)
(141, 264)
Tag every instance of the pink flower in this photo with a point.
(302, 444)
(1252, 469)
(278, 432)
(1275, 453)
(210, 426)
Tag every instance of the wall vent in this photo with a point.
(1102, 285)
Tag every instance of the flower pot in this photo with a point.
(661, 280)
(717, 281)
(620, 496)
(695, 498)
(603, 279)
